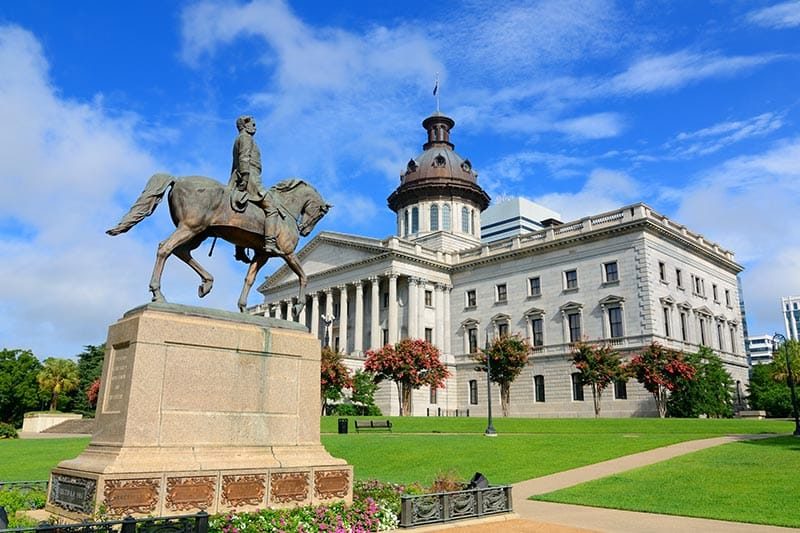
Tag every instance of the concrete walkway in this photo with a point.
(544, 517)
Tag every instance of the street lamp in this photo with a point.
(490, 431)
(780, 339)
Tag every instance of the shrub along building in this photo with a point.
(627, 277)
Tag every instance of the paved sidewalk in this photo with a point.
(544, 517)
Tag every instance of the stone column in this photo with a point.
(565, 326)
(413, 309)
(375, 320)
(393, 308)
(421, 307)
(604, 320)
(343, 319)
(793, 323)
(289, 314)
(315, 314)
(438, 306)
(328, 313)
(446, 325)
(466, 338)
(358, 340)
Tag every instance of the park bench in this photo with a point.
(373, 424)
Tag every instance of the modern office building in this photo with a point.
(759, 349)
(458, 272)
(790, 307)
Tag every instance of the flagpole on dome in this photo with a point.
(436, 91)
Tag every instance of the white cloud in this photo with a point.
(604, 190)
(783, 15)
(718, 136)
(676, 70)
(597, 126)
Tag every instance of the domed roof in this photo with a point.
(438, 170)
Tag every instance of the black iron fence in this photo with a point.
(447, 506)
(197, 523)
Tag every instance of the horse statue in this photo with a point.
(200, 208)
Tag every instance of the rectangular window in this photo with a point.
(429, 334)
(667, 332)
(336, 344)
(473, 340)
(684, 329)
(538, 388)
(473, 392)
(615, 321)
(733, 340)
(577, 387)
(385, 336)
(679, 278)
(620, 389)
(502, 329)
(727, 297)
(698, 286)
(537, 325)
(574, 327)
(433, 395)
(414, 220)
(472, 299)
(719, 337)
(571, 279)
(534, 286)
(703, 332)
(714, 292)
(428, 298)
(610, 273)
(385, 299)
(501, 292)
(662, 271)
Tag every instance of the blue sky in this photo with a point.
(583, 106)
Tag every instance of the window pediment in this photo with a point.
(470, 323)
(685, 305)
(703, 310)
(667, 300)
(534, 312)
(500, 317)
(612, 299)
(571, 306)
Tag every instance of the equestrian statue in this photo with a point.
(268, 221)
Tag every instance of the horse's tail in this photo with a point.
(145, 204)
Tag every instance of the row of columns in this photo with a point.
(414, 318)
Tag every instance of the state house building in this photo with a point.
(458, 272)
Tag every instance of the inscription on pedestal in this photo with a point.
(331, 484)
(118, 371)
(243, 490)
(126, 496)
(286, 487)
(184, 493)
(75, 494)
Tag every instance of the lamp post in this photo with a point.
(780, 339)
(490, 431)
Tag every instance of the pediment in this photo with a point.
(501, 317)
(685, 305)
(703, 310)
(470, 323)
(667, 300)
(612, 299)
(534, 311)
(571, 306)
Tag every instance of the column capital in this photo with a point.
(358, 284)
(315, 295)
(342, 286)
(374, 279)
(414, 281)
(392, 274)
(328, 291)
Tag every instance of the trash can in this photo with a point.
(342, 426)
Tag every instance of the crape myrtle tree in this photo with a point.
(334, 377)
(709, 392)
(411, 364)
(598, 365)
(660, 370)
(509, 355)
(90, 367)
(57, 377)
(19, 390)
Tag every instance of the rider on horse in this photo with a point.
(245, 185)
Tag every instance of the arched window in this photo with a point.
(472, 220)
(464, 220)
(434, 217)
(446, 217)
(414, 219)
(405, 223)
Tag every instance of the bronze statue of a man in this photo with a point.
(246, 182)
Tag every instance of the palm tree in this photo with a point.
(58, 376)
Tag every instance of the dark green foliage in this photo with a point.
(709, 392)
(19, 390)
(363, 396)
(7, 431)
(768, 394)
(90, 367)
(14, 500)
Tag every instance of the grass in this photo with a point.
(31, 460)
(754, 481)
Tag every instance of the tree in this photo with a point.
(92, 392)
(19, 391)
(334, 377)
(768, 394)
(598, 365)
(659, 369)
(509, 355)
(58, 376)
(709, 392)
(363, 396)
(411, 363)
(90, 368)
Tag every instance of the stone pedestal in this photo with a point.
(203, 409)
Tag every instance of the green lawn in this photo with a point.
(753, 481)
(32, 460)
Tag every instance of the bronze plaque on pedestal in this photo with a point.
(75, 494)
(331, 484)
(243, 489)
(288, 487)
(126, 496)
(185, 493)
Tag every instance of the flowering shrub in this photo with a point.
(661, 370)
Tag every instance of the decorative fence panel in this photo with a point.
(174, 524)
(448, 506)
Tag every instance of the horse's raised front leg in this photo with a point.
(259, 260)
(294, 264)
(165, 248)
(184, 253)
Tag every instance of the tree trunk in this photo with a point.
(505, 397)
(661, 401)
(322, 402)
(405, 405)
(54, 401)
(596, 396)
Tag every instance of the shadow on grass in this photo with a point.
(786, 442)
